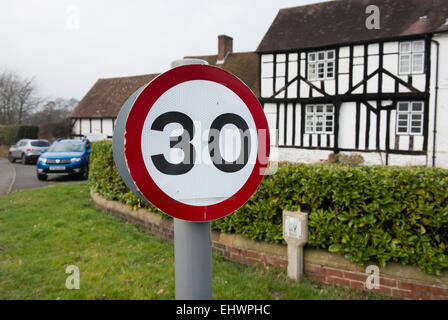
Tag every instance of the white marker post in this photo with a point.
(295, 233)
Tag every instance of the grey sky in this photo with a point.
(68, 44)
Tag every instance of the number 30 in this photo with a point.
(183, 142)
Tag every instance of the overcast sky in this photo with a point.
(68, 44)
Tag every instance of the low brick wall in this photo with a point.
(396, 280)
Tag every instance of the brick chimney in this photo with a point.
(225, 46)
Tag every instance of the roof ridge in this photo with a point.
(310, 4)
(215, 55)
(133, 76)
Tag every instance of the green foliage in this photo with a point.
(9, 135)
(105, 179)
(364, 213)
(351, 160)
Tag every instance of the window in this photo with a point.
(319, 118)
(412, 57)
(410, 118)
(67, 147)
(321, 65)
(40, 143)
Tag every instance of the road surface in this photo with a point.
(16, 176)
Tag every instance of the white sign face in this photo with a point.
(293, 227)
(195, 143)
(185, 114)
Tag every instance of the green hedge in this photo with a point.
(105, 179)
(9, 135)
(366, 214)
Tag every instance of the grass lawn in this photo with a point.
(42, 231)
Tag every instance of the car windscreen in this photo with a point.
(66, 147)
(40, 143)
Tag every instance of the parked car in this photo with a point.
(27, 150)
(65, 157)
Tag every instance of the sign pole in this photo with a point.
(192, 248)
(193, 260)
(203, 101)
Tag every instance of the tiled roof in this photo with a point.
(344, 21)
(107, 96)
(244, 65)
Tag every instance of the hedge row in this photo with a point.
(10, 134)
(366, 214)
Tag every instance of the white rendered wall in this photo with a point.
(370, 158)
(94, 129)
(85, 126)
(347, 125)
(76, 127)
(108, 128)
(442, 107)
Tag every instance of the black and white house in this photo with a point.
(330, 84)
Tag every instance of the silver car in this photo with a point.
(27, 150)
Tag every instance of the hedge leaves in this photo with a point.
(365, 214)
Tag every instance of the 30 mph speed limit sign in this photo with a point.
(196, 142)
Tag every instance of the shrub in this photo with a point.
(352, 160)
(10, 134)
(56, 129)
(364, 213)
(105, 179)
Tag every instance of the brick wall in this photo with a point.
(326, 275)
(390, 287)
(242, 255)
(238, 249)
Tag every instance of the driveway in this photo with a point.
(16, 176)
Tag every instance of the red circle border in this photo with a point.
(134, 128)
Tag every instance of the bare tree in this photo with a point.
(17, 98)
(53, 110)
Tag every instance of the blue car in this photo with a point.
(65, 157)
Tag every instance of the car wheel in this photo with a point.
(23, 159)
(85, 173)
(42, 177)
(11, 158)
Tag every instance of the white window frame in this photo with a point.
(411, 50)
(408, 117)
(319, 113)
(321, 60)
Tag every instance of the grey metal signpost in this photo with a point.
(193, 260)
(192, 248)
(214, 98)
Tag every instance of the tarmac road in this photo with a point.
(16, 176)
(6, 176)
